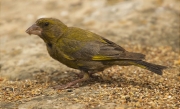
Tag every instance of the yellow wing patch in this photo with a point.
(100, 57)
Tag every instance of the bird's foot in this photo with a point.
(71, 84)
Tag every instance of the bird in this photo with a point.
(84, 50)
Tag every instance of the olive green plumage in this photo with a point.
(84, 50)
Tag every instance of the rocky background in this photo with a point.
(28, 73)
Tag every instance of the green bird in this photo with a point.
(85, 50)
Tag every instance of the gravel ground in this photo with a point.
(27, 72)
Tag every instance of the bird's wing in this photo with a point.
(90, 46)
(99, 51)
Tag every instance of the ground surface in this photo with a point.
(27, 73)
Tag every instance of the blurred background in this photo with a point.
(151, 27)
(129, 23)
(136, 22)
(150, 23)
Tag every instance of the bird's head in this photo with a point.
(47, 28)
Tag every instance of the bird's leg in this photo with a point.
(80, 75)
(91, 74)
(84, 78)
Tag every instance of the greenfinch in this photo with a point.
(85, 50)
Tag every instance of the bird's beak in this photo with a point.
(34, 29)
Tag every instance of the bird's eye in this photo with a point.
(46, 23)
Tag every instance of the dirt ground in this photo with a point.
(28, 73)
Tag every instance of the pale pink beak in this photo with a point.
(34, 29)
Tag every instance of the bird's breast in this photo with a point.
(58, 55)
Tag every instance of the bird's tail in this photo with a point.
(152, 67)
(139, 63)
